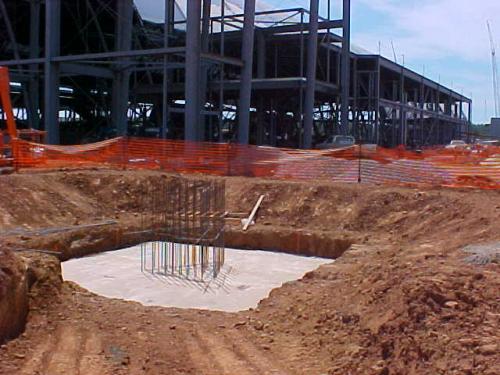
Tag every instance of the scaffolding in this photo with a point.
(87, 70)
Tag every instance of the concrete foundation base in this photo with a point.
(246, 278)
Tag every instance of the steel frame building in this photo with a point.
(90, 69)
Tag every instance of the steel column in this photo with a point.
(246, 73)
(261, 55)
(345, 66)
(356, 129)
(166, 35)
(377, 103)
(422, 108)
(193, 51)
(203, 87)
(402, 113)
(123, 37)
(34, 83)
(312, 55)
(461, 108)
(221, 67)
(51, 82)
(261, 73)
(469, 122)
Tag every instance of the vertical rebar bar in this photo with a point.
(183, 224)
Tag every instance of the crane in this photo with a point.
(495, 71)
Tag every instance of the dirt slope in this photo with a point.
(401, 300)
(13, 295)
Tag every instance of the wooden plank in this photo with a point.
(254, 211)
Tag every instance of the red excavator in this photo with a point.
(11, 133)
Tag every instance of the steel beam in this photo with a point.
(213, 58)
(287, 29)
(345, 66)
(120, 54)
(193, 50)
(85, 70)
(428, 113)
(233, 86)
(97, 25)
(246, 73)
(51, 82)
(325, 25)
(312, 55)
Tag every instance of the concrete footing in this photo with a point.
(247, 277)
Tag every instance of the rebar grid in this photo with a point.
(185, 219)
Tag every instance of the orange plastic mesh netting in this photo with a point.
(479, 167)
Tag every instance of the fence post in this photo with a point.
(359, 161)
(124, 158)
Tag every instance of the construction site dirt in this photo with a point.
(400, 298)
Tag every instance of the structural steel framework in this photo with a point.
(86, 70)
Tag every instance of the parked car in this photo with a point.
(487, 142)
(456, 144)
(337, 141)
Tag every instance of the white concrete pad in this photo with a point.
(246, 278)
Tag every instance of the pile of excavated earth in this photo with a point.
(401, 296)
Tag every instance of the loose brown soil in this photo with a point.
(400, 300)
(13, 294)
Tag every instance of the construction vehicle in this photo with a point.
(337, 141)
(10, 134)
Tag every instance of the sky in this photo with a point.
(446, 40)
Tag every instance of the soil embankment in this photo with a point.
(13, 295)
(400, 300)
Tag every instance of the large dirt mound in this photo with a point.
(387, 311)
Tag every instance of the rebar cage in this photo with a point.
(185, 219)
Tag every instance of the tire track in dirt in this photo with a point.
(257, 356)
(224, 354)
(39, 357)
(67, 351)
(92, 362)
(211, 350)
(65, 356)
(202, 355)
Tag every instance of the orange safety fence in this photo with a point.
(478, 167)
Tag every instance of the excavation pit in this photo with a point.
(246, 277)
